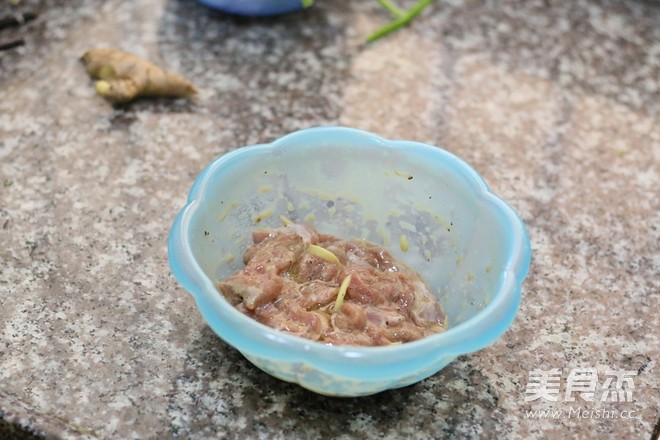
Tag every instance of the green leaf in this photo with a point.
(394, 9)
(399, 22)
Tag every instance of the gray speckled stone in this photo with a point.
(556, 104)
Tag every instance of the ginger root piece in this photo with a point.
(123, 77)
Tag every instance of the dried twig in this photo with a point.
(16, 20)
(12, 44)
(11, 21)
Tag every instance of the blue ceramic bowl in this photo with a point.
(470, 246)
(254, 7)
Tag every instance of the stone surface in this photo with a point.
(556, 104)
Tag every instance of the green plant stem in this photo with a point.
(307, 3)
(394, 9)
(401, 21)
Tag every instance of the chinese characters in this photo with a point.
(580, 383)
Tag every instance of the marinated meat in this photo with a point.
(292, 280)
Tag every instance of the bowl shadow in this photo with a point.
(219, 392)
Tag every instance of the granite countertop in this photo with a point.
(556, 104)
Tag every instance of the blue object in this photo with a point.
(471, 248)
(254, 7)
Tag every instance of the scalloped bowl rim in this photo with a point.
(448, 343)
